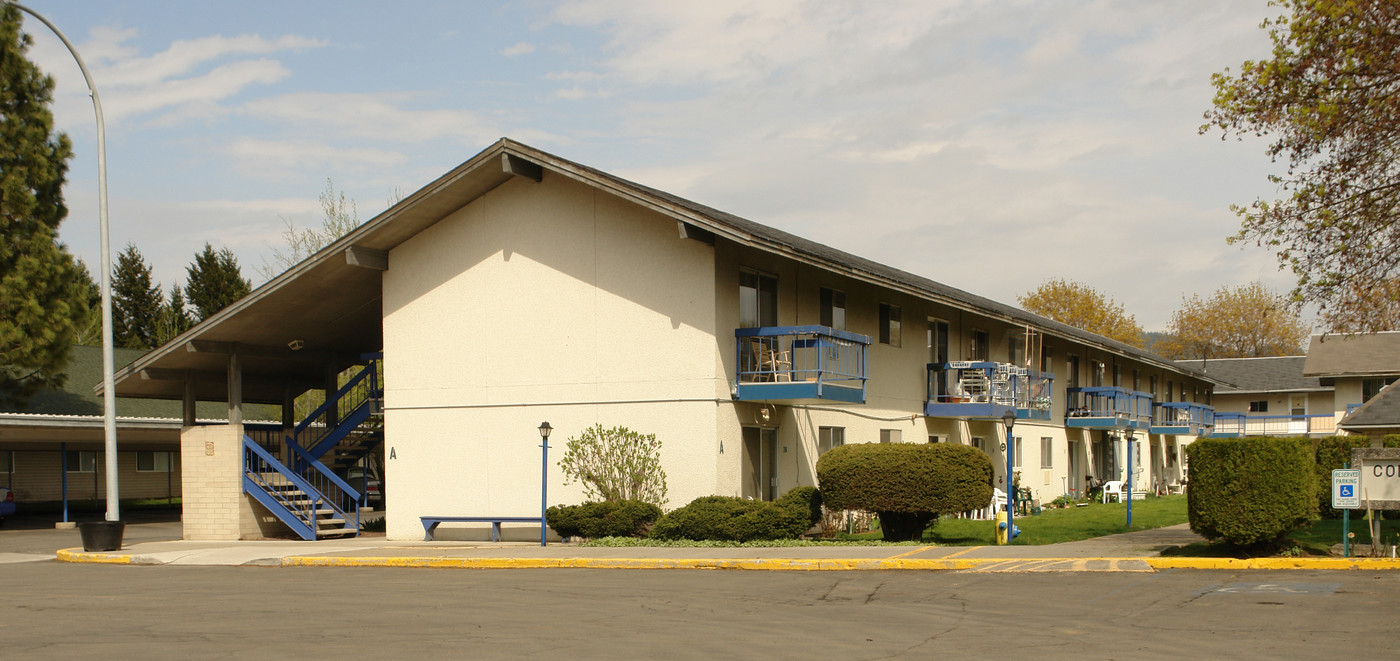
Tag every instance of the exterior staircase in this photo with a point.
(309, 496)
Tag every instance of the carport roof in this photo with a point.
(331, 302)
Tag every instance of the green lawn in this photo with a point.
(1322, 534)
(1061, 525)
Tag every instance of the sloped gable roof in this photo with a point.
(1372, 354)
(1249, 375)
(337, 300)
(1383, 410)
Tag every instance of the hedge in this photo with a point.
(726, 518)
(615, 518)
(908, 485)
(1331, 453)
(1250, 491)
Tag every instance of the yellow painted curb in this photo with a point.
(1275, 563)
(79, 555)
(784, 564)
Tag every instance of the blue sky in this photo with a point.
(987, 145)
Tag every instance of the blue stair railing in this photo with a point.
(355, 402)
(312, 504)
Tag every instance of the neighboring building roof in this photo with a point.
(1250, 375)
(76, 401)
(1383, 410)
(1372, 354)
(326, 303)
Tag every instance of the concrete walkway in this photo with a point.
(1135, 551)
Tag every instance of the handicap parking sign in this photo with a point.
(1344, 485)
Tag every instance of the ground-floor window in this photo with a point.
(830, 437)
(81, 461)
(153, 462)
(1016, 460)
(890, 435)
(7, 461)
(1047, 449)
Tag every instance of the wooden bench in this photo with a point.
(430, 523)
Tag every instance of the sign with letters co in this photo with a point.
(1379, 486)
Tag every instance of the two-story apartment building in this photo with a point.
(523, 287)
(1303, 395)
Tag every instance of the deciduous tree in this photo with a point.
(1079, 305)
(41, 297)
(1329, 99)
(214, 281)
(339, 216)
(136, 301)
(1248, 321)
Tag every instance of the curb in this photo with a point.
(1274, 563)
(1003, 565)
(80, 556)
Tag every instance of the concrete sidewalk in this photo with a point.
(1135, 551)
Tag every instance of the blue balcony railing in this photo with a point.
(987, 390)
(800, 362)
(1231, 425)
(1182, 418)
(1108, 408)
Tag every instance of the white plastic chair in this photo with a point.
(1114, 489)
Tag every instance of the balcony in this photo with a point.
(1235, 425)
(1108, 408)
(986, 390)
(781, 363)
(1182, 419)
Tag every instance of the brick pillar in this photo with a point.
(211, 481)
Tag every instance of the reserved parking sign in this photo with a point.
(1346, 488)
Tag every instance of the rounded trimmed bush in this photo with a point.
(613, 518)
(1250, 491)
(908, 485)
(726, 518)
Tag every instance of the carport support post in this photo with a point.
(63, 470)
(1128, 440)
(235, 387)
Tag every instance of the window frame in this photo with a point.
(829, 438)
(891, 322)
(831, 300)
(82, 455)
(155, 463)
(891, 435)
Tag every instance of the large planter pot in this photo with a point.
(102, 535)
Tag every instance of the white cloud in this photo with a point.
(275, 159)
(520, 48)
(374, 116)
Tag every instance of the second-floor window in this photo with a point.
(1152, 383)
(889, 324)
(1261, 406)
(758, 300)
(937, 341)
(833, 305)
(1095, 373)
(1072, 366)
(981, 346)
(1371, 387)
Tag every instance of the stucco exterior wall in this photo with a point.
(542, 301)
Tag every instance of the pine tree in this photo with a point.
(41, 298)
(88, 332)
(136, 302)
(215, 281)
(174, 318)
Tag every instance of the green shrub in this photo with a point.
(1331, 453)
(616, 464)
(907, 485)
(1250, 491)
(725, 518)
(616, 518)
